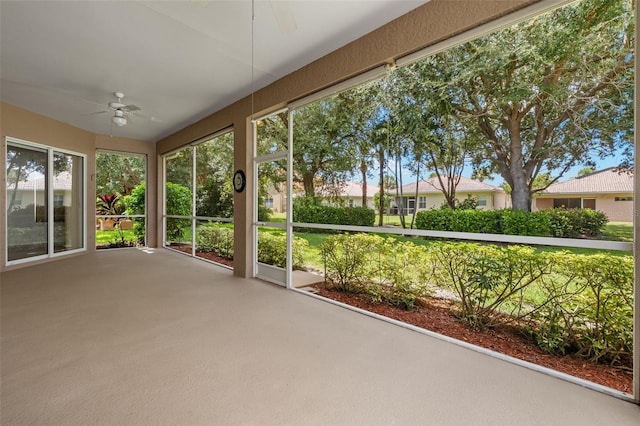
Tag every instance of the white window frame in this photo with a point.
(193, 217)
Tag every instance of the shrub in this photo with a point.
(478, 221)
(573, 223)
(178, 203)
(309, 210)
(134, 204)
(588, 308)
(346, 260)
(272, 249)
(486, 278)
(516, 222)
(565, 223)
(408, 270)
(216, 239)
(379, 267)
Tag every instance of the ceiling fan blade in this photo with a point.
(94, 113)
(130, 108)
(284, 16)
(146, 117)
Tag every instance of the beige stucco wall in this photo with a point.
(428, 24)
(30, 127)
(494, 201)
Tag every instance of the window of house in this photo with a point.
(58, 200)
(269, 202)
(351, 202)
(422, 202)
(589, 203)
(624, 198)
(482, 201)
(567, 203)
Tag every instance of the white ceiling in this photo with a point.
(179, 61)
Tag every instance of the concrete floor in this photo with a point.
(129, 337)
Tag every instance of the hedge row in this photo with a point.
(569, 303)
(307, 210)
(272, 247)
(564, 223)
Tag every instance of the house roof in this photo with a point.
(353, 189)
(350, 189)
(609, 180)
(432, 185)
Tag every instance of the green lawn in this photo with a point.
(618, 231)
(615, 231)
(103, 237)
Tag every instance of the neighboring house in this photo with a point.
(349, 194)
(430, 195)
(276, 198)
(609, 191)
(32, 192)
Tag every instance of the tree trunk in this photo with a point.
(521, 197)
(416, 202)
(520, 190)
(382, 165)
(363, 170)
(307, 182)
(399, 194)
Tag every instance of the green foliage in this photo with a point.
(573, 223)
(272, 249)
(178, 203)
(469, 203)
(517, 222)
(483, 221)
(379, 267)
(215, 239)
(487, 277)
(567, 89)
(215, 198)
(565, 223)
(135, 204)
(388, 198)
(571, 303)
(588, 309)
(118, 173)
(309, 210)
(109, 204)
(264, 213)
(347, 258)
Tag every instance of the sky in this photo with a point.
(496, 179)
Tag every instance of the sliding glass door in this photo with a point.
(44, 200)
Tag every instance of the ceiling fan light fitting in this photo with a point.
(119, 121)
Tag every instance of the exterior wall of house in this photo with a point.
(616, 211)
(487, 201)
(357, 202)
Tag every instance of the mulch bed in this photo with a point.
(205, 255)
(436, 315)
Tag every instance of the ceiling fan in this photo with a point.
(123, 112)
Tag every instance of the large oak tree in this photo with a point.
(546, 94)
